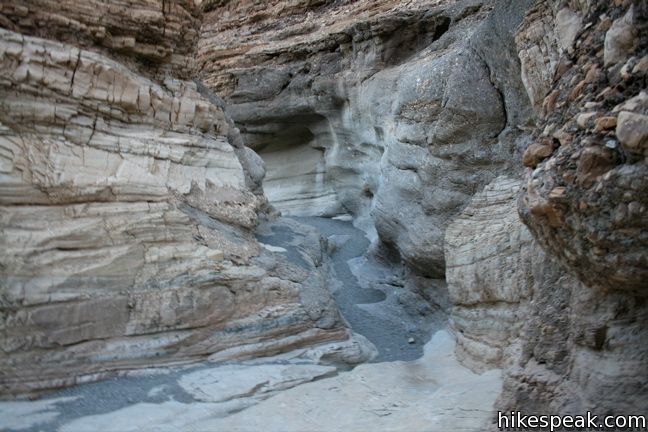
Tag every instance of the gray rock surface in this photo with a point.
(397, 118)
(157, 396)
(136, 226)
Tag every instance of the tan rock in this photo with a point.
(594, 162)
(593, 74)
(487, 252)
(568, 24)
(577, 90)
(641, 66)
(557, 193)
(549, 103)
(126, 220)
(632, 131)
(582, 119)
(605, 123)
(619, 39)
(536, 153)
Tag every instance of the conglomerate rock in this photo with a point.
(586, 199)
(583, 345)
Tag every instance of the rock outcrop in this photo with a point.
(564, 313)
(128, 206)
(586, 199)
(153, 37)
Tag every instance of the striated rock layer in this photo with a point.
(489, 255)
(128, 204)
(565, 313)
(128, 199)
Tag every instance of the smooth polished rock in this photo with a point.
(393, 111)
(434, 393)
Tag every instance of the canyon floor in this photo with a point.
(413, 383)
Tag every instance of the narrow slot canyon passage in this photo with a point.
(410, 381)
(369, 292)
(403, 378)
(295, 181)
(371, 307)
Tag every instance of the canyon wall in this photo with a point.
(490, 257)
(585, 68)
(497, 144)
(400, 110)
(128, 205)
(565, 312)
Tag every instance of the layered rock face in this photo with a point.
(489, 257)
(565, 312)
(128, 203)
(295, 182)
(152, 36)
(564, 347)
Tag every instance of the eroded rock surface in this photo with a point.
(129, 202)
(127, 210)
(565, 347)
(396, 111)
(584, 339)
(154, 37)
(586, 199)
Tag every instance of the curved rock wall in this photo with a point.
(410, 102)
(414, 133)
(489, 256)
(423, 105)
(568, 324)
